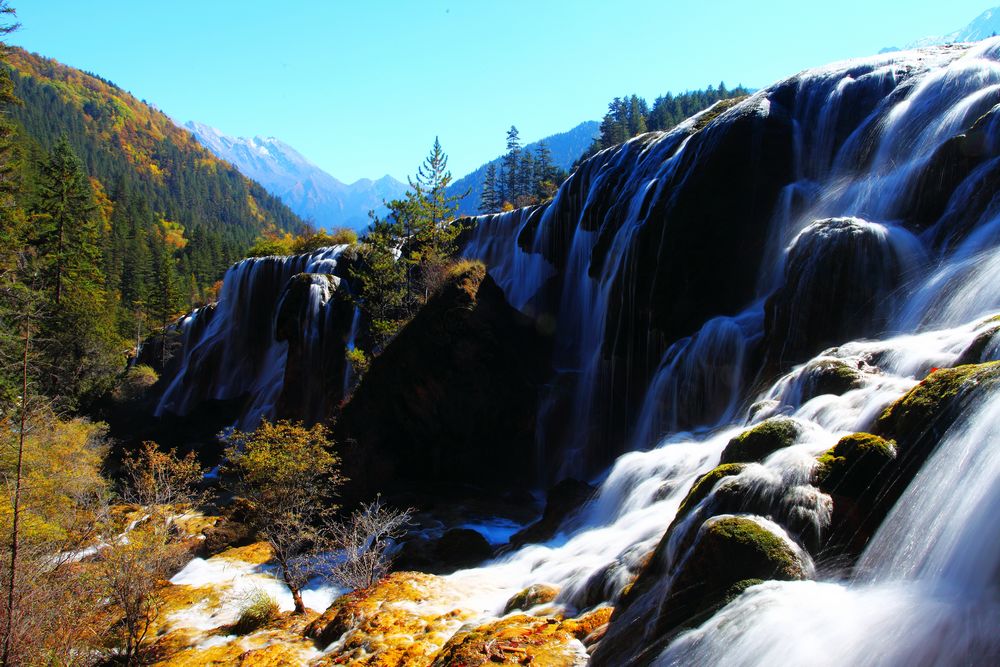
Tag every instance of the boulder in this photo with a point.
(452, 400)
(837, 273)
(762, 440)
(563, 499)
(456, 549)
(531, 596)
(729, 551)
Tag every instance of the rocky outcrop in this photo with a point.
(563, 500)
(728, 553)
(456, 549)
(836, 275)
(452, 401)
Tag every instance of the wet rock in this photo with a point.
(830, 376)
(762, 440)
(531, 596)
(563, 499)
(837, 272)
(456, 549)
(515, 640)
(850, 473)
(729, 551)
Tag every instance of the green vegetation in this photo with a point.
(258, 610)
(286, 478)
(524, 177)
(273, 243)
(762, 440)
(631, 115)
(403, 258)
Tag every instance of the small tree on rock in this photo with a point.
(287, 478)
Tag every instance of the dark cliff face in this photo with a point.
(451, 403)
(650, 249)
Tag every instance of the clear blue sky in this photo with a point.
(361, 88)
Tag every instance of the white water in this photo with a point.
(236, 353)
(928, 589)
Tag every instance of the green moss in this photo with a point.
(715, 111)
(704, 485)
(762, 440)
(531, 596)
(734, 535)
(737, 589)
(909, 417)
(853, 464)
(830, 376)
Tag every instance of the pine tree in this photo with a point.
(511, 162)
(525, 180)
(489, 201)
(69, 238)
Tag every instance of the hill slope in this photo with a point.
(135, 151)
(308, 190)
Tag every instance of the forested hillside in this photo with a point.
(116, 222)
(150, 177)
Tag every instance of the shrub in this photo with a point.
(257, 611)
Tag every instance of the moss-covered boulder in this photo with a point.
(452, 401)
(852, 465)
(532, 596)
(704, 485)
(919, 419)
(852, 472)
(830, 376)
(762, 440)
(728, 552)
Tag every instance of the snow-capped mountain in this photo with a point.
(312, 193)
(983, 26)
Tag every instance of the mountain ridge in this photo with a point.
(307, 189)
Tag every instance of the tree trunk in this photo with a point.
(296, 593)
(14, 540)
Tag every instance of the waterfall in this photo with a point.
(887, 199)
(229, 350)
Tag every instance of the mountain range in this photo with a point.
(983, 26)
(310, 192)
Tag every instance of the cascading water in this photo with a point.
(869, 138)
(230, 350)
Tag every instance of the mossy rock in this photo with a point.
(830, 376)
(531, 596)
(762, 440)
(977, 348)
(738, 588)
(729, 550)
(704, 485)
(923, 414)
(852, 465)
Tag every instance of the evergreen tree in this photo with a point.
(526, 184)
(511, 162)
(69, 237)
(489, 201)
